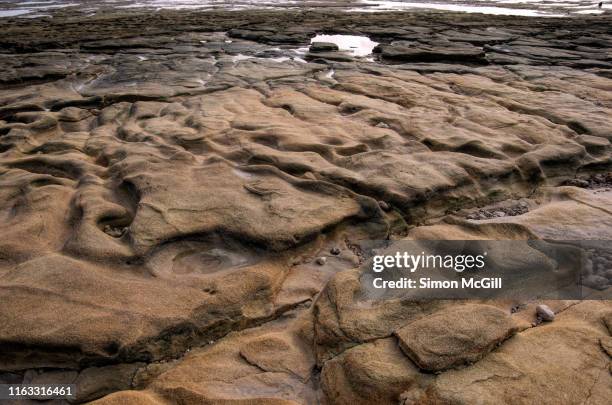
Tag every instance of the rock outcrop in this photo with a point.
(455, 337)
(187, 200)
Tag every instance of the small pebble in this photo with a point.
(384, 206)
(500, 214)
(382, 125)
(335, 251)
(545, 313)
(321, 260)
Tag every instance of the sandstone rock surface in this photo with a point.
(168, 181)
(455, 337)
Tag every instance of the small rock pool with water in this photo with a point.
(353, 44)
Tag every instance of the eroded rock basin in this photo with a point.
(185, 199)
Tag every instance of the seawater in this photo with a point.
(526, 8)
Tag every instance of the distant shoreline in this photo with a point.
(544, 8)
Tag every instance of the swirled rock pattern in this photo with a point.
(168, 181)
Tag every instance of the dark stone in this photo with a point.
(323, 47)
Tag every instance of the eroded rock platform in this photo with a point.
(169, 182)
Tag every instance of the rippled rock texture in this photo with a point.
(169, 181)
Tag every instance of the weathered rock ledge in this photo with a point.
(168, 181)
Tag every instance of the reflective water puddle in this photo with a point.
(354, 44)
(532, 8)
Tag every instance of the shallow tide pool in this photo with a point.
(353, 44)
